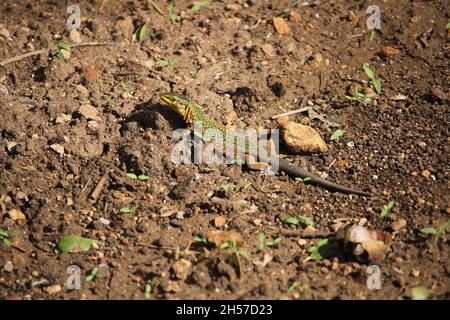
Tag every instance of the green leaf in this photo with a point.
(174, 61)
(428, 230)
(6, 242)
(369, 72)
(143, 177)
(92, 275)
(309, 221)
(75, 244)
(132, 175)
(420, 293)
(4, 234)
(373, 35)
(377, 85)
(148, 291)
(261, 241)
(63, 46)
(124, 86)
(290, 220)
(274, 242)
(172, 14)
(293, 286)
(125, 210)
(442, 228)
(224, 245)
(243, 253)
(199, 239)
(162, 63)
(337, 134)
(384, 213)
(321, 250)
(390, 204)
(200, 5)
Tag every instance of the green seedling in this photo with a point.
(358, 96)
(307, 220)
(262, 243)
(172, 14)
(236, 254)
(437, 233)
(376, 82)
(62, 46)
(129, 211)
(293, 286)
(197, 6)
(229, 186)
(140, 32)
(148, 291)
(303, 180)
(168, 63)
(200, 240)
(291, 220)
(448, 24)
(323, 249)
(373, 35)
(246, 186)
(91, 276)
(337, 134)
(387, 211)
(138, 177)
(124, 86)
(76, 244)
(5, 238)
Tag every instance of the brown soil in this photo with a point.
(232, 59)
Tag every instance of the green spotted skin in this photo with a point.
(192, 112)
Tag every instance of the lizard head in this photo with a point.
(176, 101)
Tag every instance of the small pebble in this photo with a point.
(8, 267)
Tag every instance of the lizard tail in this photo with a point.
(295, 172)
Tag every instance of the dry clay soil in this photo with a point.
(65, 124)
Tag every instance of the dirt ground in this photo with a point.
(67, 123)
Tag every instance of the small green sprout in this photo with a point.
(262, 243)
(306, 179)
(148, 291)
(448, 24)
(307, 220)
(197, 6)
(293, 286)
(322, 249)
(129, 211)
(141, 177)
(5, 238)
(437, 233)
(140, 32)
(236, 254)
(373, 35)
(337, 134)
(274, 242)
(172, 14)
(246, 186)
(199, 240)
(170, 64)
(229, 186)
(91, 276)
(376, 82)
(387, 211)
(291, 220)
(420, 293)
(124, 86)
(358, 96)
(62, 46)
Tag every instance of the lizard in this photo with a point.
(192, 112)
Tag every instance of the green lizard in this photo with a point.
(191, 112)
